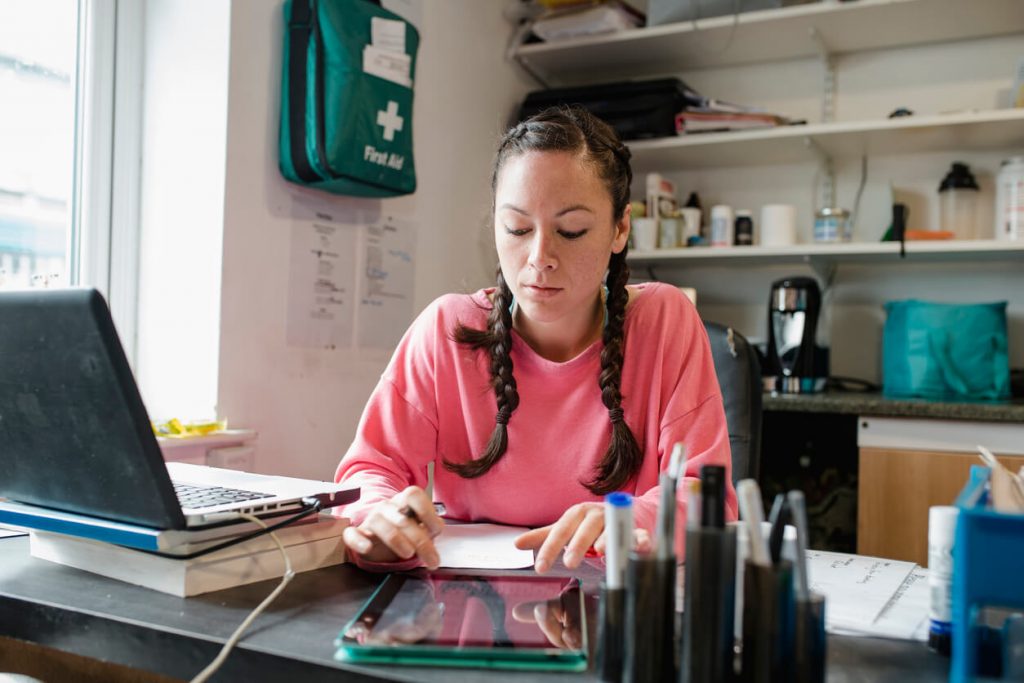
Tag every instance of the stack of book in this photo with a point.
(128, 553)
(705, 114)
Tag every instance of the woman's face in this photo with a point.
(554, 229)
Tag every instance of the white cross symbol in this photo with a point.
(390, 120)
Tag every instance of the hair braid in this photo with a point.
(623, 458)
(498, 341)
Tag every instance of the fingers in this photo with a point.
(575, 531)
(547, 616)
(400, 528)
(523, 611)
(417, 500)
(642, 539)
(532, 539)
(402, 534)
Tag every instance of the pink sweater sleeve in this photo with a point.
(694, 415)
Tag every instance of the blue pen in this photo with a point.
(618, 536)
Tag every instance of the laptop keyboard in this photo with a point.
(193, 496)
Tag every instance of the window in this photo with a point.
(38, 58)
(68, 70)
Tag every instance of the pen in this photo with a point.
(712, 491)
(618, 530)
(665, 532)
(777, 520)
(693, 504)
(752, 510)
(439, 508)
(798, 510)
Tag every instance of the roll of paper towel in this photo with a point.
(778, 225)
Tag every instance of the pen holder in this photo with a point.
(612, 637)
(710, 607)
(809, 640)
(767, 622)
(650, 619)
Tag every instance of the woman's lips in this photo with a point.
(542, 292)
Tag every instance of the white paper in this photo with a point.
(386, 283)
(321, 300)
(391, 66)
(387, 34)
(905, 617)
(482, 546)
(856, 587)
(6, 531)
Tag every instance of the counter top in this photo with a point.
(875, 404)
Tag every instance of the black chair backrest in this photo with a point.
(739, 376)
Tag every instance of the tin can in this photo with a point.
(832, 225)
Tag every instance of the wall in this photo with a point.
(927, 79)
(306, 403)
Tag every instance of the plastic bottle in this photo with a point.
(1010, 200)
(958, 198)
(721, 225)
(941, 532)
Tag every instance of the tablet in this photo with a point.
(447, 618)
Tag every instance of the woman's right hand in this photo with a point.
(398, 529)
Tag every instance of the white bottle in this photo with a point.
(721, 225)
(1010, 200)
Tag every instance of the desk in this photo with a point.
(89, 615)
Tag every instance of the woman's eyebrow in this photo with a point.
(568, 209)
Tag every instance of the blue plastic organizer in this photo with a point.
(988, 569)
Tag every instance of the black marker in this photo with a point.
(712, 490)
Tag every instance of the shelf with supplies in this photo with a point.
(767, 35)
(924, 251)
(997, 130)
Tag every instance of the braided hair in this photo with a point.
(573, 130)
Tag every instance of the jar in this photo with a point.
(1010, 200)
(832, 224)
(744, 228)
(958, 198)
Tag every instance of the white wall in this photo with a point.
(927, 79)
(305, 403)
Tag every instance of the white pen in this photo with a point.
(618, 537)
(798, 511)
(665, 533)
(752, 511)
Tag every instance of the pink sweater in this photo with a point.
(434, 402)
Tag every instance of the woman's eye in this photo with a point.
(516, 232)
(571, 235)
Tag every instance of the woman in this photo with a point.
(537, 397)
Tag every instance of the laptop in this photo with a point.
(75, 436)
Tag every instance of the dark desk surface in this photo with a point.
(90, 615)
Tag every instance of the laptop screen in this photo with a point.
(75, 434)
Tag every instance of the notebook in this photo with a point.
(76, 436)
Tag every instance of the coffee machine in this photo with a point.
(796, 361)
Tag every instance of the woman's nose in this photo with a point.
(542, 251)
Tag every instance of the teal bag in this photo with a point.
(346, 98)
(936, 350)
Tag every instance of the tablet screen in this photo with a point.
(456, 619)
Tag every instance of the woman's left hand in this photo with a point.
(579, 528)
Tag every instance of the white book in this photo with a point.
(309, 546)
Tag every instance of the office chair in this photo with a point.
(739, 376)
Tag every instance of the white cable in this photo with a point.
(212, 667)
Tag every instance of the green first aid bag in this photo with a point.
(346, 98)
(943, 351)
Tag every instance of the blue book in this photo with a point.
(118, 533)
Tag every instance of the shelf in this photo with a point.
(768, 35)
(1001, 130)
(863, 252)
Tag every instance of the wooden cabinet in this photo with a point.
(895, 489)
(906, 466)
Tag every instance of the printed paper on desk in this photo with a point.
(387, 34)
(857, 588)
(482, 546)
(905, 617)
(391, 66)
